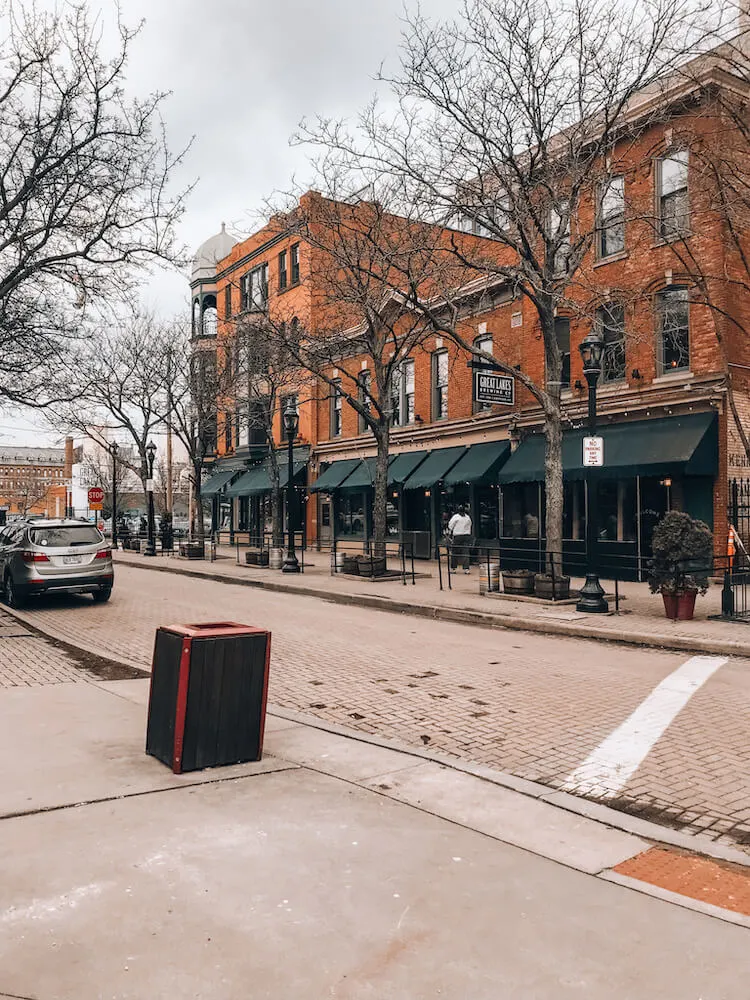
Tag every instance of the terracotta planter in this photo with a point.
(518, 581)
(679, 607)
(557, 590)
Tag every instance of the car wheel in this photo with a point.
(102, 595)
(14, 595)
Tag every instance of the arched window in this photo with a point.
(673, 335)
(610, 320)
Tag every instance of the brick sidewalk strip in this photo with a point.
(641, 621)
(714, 882)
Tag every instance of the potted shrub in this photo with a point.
(552, 588)
(682, 559)
(518, 581)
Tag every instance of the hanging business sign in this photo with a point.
(491, 387)
(593, 452)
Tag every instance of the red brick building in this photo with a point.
(672, 349)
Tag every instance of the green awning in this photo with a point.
(685, 445)
(479, 464)
(362, 477)
(217, 482)
(258, 479)
(434, 468)
(403, 465)
(334, 475)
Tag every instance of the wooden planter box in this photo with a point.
(256, 557)
(371, 567)
(192, 550)
(552, 590)
(518, 581)
(351, 565)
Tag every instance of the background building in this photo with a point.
(35, 480)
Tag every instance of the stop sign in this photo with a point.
(96, 494)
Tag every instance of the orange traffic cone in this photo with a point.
(731, 547)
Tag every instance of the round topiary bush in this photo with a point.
(682, 555)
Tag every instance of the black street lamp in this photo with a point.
(150, 549)
(592, 592)
(113, 449)
(291, 425)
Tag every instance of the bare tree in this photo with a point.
(85, 202)
(120, 385)
(362, 264)
(511, 122)
(263, 375)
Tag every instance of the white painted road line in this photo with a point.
(610, 766)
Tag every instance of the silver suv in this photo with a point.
(57, 554)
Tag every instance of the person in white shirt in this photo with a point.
(459, 531)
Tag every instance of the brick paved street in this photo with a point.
(532, 705)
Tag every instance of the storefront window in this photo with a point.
(521, 510)
(351, 519)
(574, 511)
(244, 514)
(225, 515)
(487, 513)
(391, 516)
(617, 510)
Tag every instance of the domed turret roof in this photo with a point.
(210, 253)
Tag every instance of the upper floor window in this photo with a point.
(672, 187)
(611, 322)
(559, 230)
(283, 276)
(294, 261)
(228, 302)
(335, 412)
(439, 385)
(364, 384)
(673, 346)
(228, 428)
(254, 289)
(562, 334)
(483, 343)
(611, 225)
(402, 394)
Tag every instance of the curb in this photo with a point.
(585, 808)
(468, 616)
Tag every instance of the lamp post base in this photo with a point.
(149, 550)
(290, 564)
(592, 596)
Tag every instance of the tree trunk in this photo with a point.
(553, 467)
(380, 498)
(553, 482)
(197, 529)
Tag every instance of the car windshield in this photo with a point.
(67, 535)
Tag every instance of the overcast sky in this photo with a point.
(242, 74)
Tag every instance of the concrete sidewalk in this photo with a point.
(641, 620)
(335, 868)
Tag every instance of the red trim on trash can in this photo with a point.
(181, 706)
(266, 672)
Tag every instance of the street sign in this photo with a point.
(149, 486)
(593, 452)
(95, 506)
(95, 495)
(490, 387)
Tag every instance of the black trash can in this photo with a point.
(207, 704)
